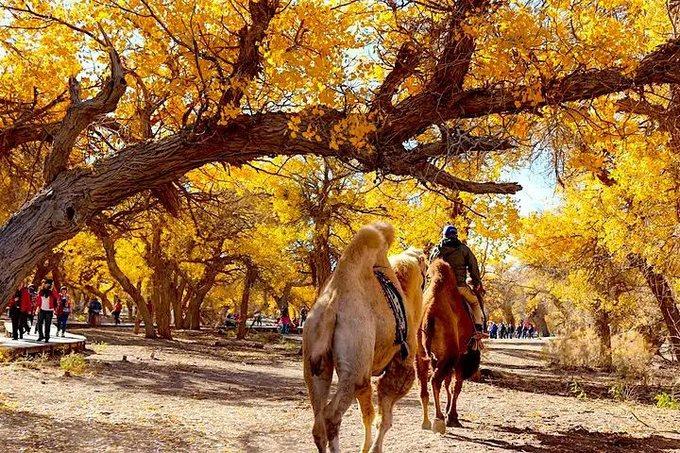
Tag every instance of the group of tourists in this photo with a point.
(47, 302)
(502, 330)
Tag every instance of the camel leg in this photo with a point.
(337, 407)
(452, 416)
(447, 387)
(319, 388)
(437, 379)
(392, 386)
(423, 369)
(365, 398)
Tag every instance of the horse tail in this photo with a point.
(469, 363)
(360, 255)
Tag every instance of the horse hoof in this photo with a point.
(427, 425)
(439, 427)
(453, 423)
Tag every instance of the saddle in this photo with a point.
(396, 303)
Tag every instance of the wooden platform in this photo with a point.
(30, 344)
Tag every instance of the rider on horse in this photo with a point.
(462, 261)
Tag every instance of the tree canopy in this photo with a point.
(168, 150)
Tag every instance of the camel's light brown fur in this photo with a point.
(351, 330)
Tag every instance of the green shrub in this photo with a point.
(74, 364)
(667, 401)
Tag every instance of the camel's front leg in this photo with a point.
(423, 370)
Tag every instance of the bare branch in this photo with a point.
(81, 114)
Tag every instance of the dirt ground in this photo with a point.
(191, 395)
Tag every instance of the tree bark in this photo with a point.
(249, 281)
(161, 288)
(117, 273)
(661, 289)
(603, 329)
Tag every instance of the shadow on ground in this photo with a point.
(543, 379)
(32, 432)
(162, 375)
(577, 439)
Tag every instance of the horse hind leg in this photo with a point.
(452, 412)
(365, 398)
(423, 370)
(392, 386)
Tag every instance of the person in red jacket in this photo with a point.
(63, 310)
(48, 299)
(16, 310)
(116, 310)
(26, 307)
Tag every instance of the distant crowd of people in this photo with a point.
(47, 302)
(284, 323)
(525, 329)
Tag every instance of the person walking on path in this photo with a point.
(17, 305)
(26, 307)
(48, 301)
(116, 310)
(94, 310)
(63, 310)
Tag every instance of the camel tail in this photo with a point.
(428, 330)
(469, 363)
(319, 331)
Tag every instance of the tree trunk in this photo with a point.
(603, 329)
(123, 280)
(321, 257)
(661, 288)
(194, 313)
(251, 275)
(161, 288)
(538, 317)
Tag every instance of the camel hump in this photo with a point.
(366, 244)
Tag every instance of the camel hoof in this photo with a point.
(438, 426)
(453, 423)
(427, 425)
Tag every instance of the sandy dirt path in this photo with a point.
(189, 395)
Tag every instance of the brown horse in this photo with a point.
(445, 342)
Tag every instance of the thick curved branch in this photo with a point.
(429, 173)
(249, 62)
(458, 143)
(17, 135)
(452, 65)
(404, 66)
(415, 114)
(81, 114)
